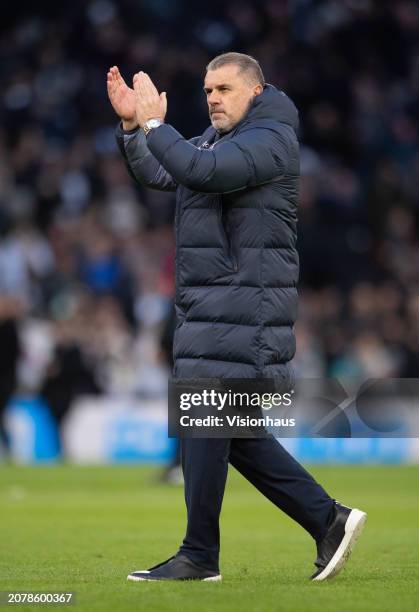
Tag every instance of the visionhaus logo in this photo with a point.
(264, 421)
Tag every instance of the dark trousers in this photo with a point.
(268, 466)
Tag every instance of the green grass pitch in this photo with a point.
(84, 529)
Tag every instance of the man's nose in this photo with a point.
(213, 99)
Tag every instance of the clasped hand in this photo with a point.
(135, 106)
(149, 104)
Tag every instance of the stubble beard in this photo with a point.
(226, 125)
(221, 125)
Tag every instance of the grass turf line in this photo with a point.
(84, 529)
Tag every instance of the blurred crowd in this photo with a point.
(86, 256)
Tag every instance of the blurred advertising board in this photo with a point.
(110, 430)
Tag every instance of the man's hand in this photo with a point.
(122, 99)
(149, 104)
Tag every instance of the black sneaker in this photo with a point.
(334, 550)
(178, 567)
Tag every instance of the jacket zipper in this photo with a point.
(226, 230)
(227, 239)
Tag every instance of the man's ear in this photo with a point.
(257, 90)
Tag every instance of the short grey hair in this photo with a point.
(246, 64)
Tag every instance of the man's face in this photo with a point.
(229, 95)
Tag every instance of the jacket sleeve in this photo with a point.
(256, 155)
(141, 164)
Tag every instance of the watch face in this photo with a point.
(153, 123)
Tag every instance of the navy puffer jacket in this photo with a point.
(236, 218)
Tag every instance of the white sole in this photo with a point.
(353, 529)
(217, 578)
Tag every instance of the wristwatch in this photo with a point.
(151, 124)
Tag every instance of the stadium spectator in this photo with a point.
(64, 190)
